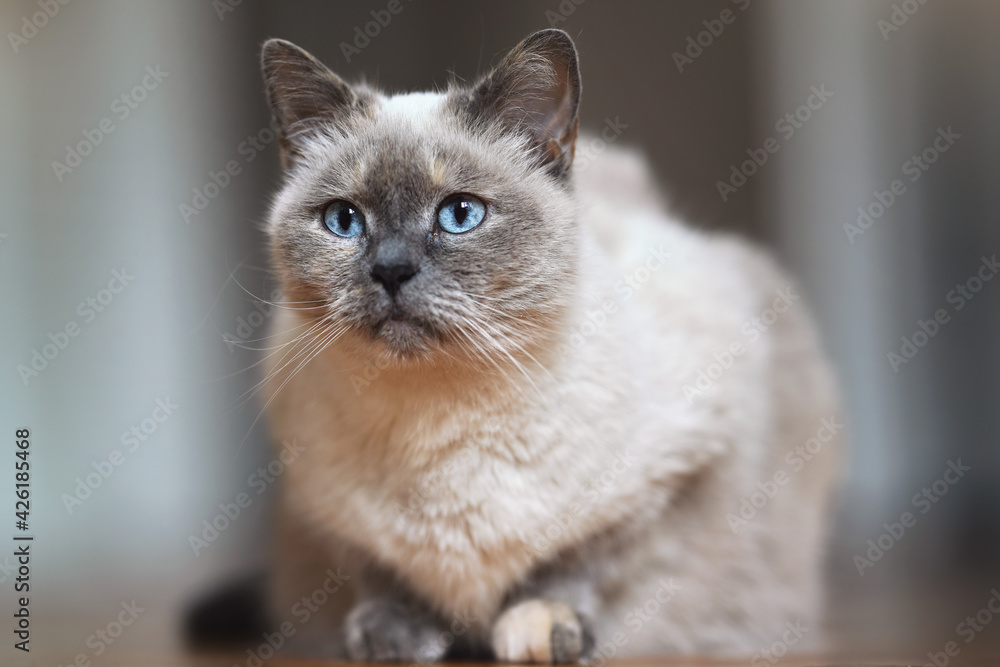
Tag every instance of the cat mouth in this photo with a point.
(402, 330)
(400, 321)
(404, 337)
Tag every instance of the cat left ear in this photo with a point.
(303, 93)
(535, 91)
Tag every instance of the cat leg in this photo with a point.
(554, 614)
(386, 629)
(371, 619)
(387, 624)
(540, 630)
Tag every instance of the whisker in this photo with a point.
(222, 289)
(276, 348)
(314, 347)
(250, 392)
(280, 305)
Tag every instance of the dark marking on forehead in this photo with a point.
(398, 182)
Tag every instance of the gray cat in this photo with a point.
(541, 420)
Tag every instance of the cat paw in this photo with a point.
(541, 631)
(387, 631)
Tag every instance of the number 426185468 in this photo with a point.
(22, 478)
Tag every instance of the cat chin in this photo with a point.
(404, 338)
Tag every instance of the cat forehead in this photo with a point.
(418, 107)
(412, 124)
(411, 139)
(409, 127)
(414, 142)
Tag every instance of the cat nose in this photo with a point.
(393, 273)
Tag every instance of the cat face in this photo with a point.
(431, 222)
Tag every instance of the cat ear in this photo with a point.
(303, 93)
(535, 91)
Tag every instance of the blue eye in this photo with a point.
(344, 219)
(461, 213)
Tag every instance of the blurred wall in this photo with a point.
(904, 76)
(113, 112)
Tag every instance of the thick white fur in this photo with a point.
(511, 461)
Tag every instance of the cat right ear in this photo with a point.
(535, 91)
(304, 95)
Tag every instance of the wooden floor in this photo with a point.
(62, 643)
(237, 660)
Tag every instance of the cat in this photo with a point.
(541, 420)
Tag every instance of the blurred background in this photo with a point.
(137, 164)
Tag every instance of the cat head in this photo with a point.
(428, 223)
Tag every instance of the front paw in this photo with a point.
(387, 631)
(541, 631)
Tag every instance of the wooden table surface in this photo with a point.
(61, 642)
(236, 660)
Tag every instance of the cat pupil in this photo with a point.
(461, 212)
(344, 218)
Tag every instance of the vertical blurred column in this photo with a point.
(115, 113)
(882, 223)
(830, 166)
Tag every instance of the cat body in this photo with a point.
(559, 449)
